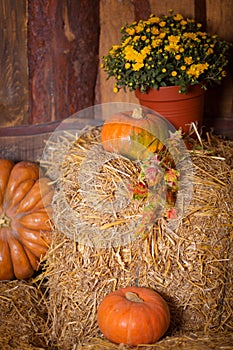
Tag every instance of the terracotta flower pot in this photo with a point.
(180, 109)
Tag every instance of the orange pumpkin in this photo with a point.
(135, 134)
(25, 228)
(133, 315)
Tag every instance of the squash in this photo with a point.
(133, 315)
(25, 210)
(135, 134)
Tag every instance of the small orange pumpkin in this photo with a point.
(133, 315)
(135, 134)
(25, 229)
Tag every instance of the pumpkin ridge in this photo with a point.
(20, 252)
(21, 265)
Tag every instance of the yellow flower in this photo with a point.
(172, 47)
(113, 49)
(162, 24)
(162, 35)
(139, 28)
(153, 19)
(130, 54)
(197, 69)
(156, 43)
(137, 66)
(164, 51)
(127, 40)
(174, 39)
(146, 50)
(183, 22)
(188, 60)
(178, 17)
(115, 89)
(130, 31)
(154, 31)
(209, 51)
(192, 36)
(136, 38)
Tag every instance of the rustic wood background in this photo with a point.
(50, 54)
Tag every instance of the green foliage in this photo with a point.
(166, 51)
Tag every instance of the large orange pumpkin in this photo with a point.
(133, 315)
(25, 228)
(135, 134)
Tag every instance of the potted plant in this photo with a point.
(167, 54)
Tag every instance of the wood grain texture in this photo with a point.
(63, 38)
(219, 100)
(142, 9)
(113, 15)
(13, 63)
(186, 7)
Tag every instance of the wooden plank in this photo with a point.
(13, 63)
(185, 7)
(142, 9)
(63, 39)
(219, 100)
(200, 12)
(113, 15)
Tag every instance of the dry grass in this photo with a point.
(191, 266)
(23, 316)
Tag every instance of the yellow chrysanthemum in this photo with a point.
(154, 31)
(162, 24)
(130, 31)
(114, 49)
(139, 28)
(178, 17)
(183, 22)
(209, 51)
(188, 60)
(137, 66)
(172, 47)
(154, 19)
(156, 43)
(197, 69)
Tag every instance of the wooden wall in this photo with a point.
(215, 16)
(50, 55)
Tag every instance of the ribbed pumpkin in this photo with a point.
(135, 134)
(25, 229)
(133, 315)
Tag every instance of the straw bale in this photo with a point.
(23, 316)
(190, 265)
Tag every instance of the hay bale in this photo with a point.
(191, 265)
(23, 316)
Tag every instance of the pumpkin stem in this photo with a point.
(4, 221)
(133, 297)
(137, 113)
